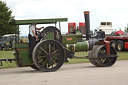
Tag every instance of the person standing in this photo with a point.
(32, 36)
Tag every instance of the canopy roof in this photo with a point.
(38, 21)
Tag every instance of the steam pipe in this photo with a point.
(87, 22)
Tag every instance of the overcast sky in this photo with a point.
(115, 11)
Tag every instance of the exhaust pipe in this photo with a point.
(87, 22)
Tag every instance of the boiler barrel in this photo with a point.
(78, 47)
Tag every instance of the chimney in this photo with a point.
(87, 22)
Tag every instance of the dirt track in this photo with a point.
(72, 74)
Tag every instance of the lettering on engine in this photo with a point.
(69, 39)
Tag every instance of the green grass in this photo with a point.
(78, 58)
(9, 54)
(122, 56)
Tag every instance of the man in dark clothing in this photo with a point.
(32, 36)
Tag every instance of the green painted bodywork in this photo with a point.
(50, 35)
(21, 45)
(22, 49)
(22, 54)
(78, 34)
(69, 39)
(38, 21)
(78, 47)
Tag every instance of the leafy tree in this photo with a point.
(126, 28)
(5, 16)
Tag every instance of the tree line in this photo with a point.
(5, 16)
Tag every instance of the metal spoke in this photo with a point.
(53, 47)
(40, 52)
(56, 58)
(103, 60)
(109, 59)
(55, 51)
(52, 64)
(43, 49)
(56, 54)
(42, 56)
(49, 47)
(44, 62)
(102, 52)
(40, 61)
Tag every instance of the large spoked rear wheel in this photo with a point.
(104, 62)
(48, 55)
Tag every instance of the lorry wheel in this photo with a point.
(113, 43)
(6, 48)
(120, 45)
(104, 62)
(1, 48)
(48, 55)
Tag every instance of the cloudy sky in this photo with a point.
(115, 11)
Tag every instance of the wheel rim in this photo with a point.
(113, 45)
(49, 56)
(108, 61)
(119, 46)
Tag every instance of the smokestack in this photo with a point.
(87, 22)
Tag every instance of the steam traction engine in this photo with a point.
(53, 48)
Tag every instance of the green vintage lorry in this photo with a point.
(7, 41)
(53, 48)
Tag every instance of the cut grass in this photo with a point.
(9, 54)
(122, 56)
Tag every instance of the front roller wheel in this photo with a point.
(48, 55)
(105, 61)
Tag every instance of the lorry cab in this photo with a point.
(105, 26)
(7, 41)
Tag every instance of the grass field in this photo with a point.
(122, 56)
(9, 54)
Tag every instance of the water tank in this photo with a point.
(82, 27)
(71, 27)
